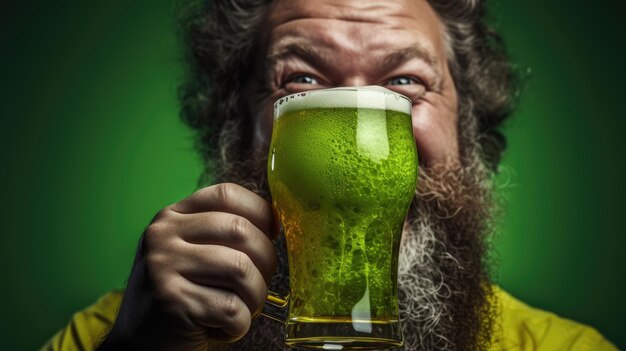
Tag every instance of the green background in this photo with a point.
(92, 147)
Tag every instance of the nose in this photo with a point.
(355, 81)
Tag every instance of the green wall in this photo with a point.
(92, 148)
(561, 241)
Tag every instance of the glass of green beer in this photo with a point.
(342, 172)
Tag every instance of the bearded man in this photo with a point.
(203, 265)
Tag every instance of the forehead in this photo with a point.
(359, 26)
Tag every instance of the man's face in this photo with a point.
(401, 45)
(329, 43)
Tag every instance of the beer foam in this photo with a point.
(371, 96)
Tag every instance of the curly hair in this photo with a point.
(220, 36)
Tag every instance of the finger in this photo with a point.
(236, 232)
(225, 268)
(223, 312)
(231, 198)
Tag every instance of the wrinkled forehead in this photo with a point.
(356, 25)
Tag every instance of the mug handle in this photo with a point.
(276, 307)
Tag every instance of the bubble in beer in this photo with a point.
(342, 203)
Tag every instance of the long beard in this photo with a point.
(444, 286)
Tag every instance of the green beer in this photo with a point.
(342, 175)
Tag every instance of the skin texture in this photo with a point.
(202, 268)
(324, 44)
(201, 272)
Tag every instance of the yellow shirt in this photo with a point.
(521, 328)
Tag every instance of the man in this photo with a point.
(203, 265)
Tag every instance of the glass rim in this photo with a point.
(369, 88)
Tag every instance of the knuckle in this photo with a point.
(239, 229)
(241, 266)
(153, 230)
(155, 261)
(224, 192)
(232, 306)
(234, 316)
(153, 235)
(162, 214)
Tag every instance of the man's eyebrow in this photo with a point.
(312, 54)
(305, 51)
(401, 56)
(323, 58)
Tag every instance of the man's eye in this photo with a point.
(303, 79)
(412, 87)
(403, 81)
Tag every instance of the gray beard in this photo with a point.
(444, 286)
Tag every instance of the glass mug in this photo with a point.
(342, 171)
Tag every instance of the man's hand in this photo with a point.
(200, 274)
